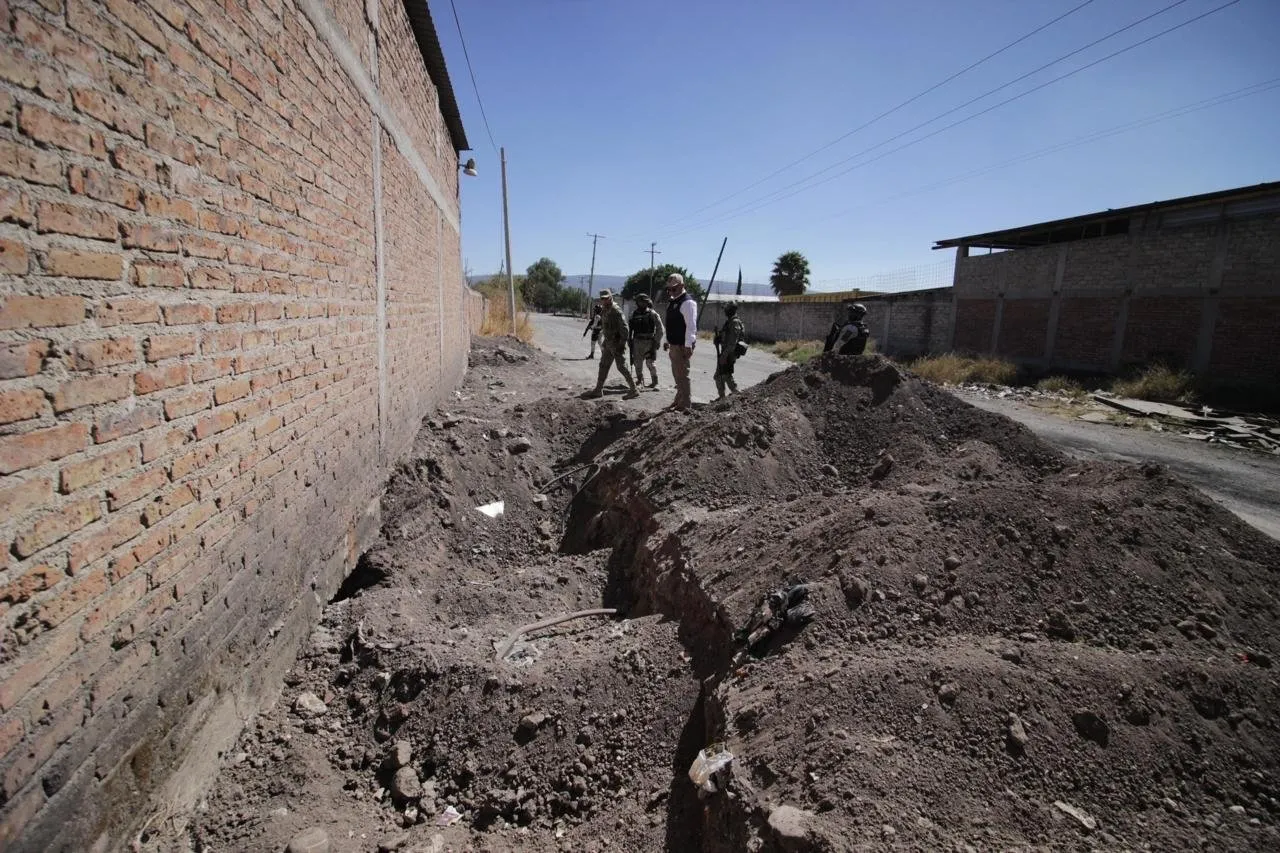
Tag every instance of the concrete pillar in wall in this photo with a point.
(1055, 307)
(379, 244)
(961, 252)
(1209, 305)
(1001, 280)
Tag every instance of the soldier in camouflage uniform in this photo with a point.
(646, 332)
(727, 339)
(613, 346)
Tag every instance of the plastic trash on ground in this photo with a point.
(709, 761)
(448, 817)
(493, 510)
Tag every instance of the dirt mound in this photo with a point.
(989, 646)
(969, 582)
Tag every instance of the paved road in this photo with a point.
(1243, 481)
(562, 338)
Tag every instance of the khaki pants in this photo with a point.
(608, 357)
(680, 372)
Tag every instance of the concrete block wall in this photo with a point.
(903, 325)
(1204, 297)
(230, 288)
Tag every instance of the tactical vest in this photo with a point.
(644, 323)
(675, 320)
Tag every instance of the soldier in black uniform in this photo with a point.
(848, 336)
(646, 331)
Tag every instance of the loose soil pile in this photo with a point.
(1007, 649)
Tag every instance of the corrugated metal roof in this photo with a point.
(424, 31)
(1095, 224)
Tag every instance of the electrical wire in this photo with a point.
(890, 111)
(1095, 136)
(472, 72)
(796, 188)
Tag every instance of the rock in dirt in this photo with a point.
(401, 753)
(790, 827)
(1016, 733)
(520, 445)
(1082, 817)
(530, 723)
(406, 786)
(308, 705)
(1059, 626)
(541, 501)
(391, 845)
(949, 693)
(883, 467)
(830, 470)
(313, 840)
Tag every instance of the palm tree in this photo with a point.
(790, 275)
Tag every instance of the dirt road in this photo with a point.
(561, 337)
(1245, 482)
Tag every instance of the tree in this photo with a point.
(790, 275)
(542, 284)
(640, 282)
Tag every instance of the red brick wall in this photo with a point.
(1246, 339)
(974, 319)
(1086, 328)
(189, 372)
(1161, 328)
(1023, 328)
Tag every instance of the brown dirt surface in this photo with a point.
(1007, 649)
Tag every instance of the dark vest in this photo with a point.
(675, 320)
(644, 322)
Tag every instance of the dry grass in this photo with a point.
(953, 369)
(799, 352)
(1061, 385)
(1158, 383)
(497, 313)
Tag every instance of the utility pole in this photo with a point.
(653, 250)
(592, 284)
(506, 232)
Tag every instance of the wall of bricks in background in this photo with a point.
(1204, 296)
(189, 381)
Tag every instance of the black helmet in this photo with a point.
(643, 299)
(731, 309)
(857, 308)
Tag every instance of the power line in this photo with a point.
(782, 192)
(795, 188)
(890, 111)
(472, 72)
(1095, 136)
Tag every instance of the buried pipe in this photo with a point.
(547, 623)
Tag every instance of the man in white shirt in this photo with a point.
(682, 336)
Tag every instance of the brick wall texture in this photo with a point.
(1203, 296)
(198, 407)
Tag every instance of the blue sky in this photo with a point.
(626, 118)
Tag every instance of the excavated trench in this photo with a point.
(997, 631)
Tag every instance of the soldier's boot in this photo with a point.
(653, 375)
(719, 386)
(631, 383)
(732, 383)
